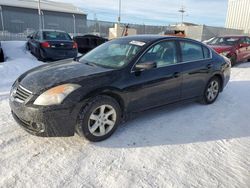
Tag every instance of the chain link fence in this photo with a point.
(95, 27)
(102, 28)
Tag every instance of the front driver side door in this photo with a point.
(157, 86)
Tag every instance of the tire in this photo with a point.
(39, 56)
(1, 56)
(212, 91)
(95, 125)
(27, 47)
(233, 59)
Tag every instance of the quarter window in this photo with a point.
(37, 36)
(191, 51)
(206, 52)
(163, 54)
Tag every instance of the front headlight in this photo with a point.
(55, 95)
(225, 53)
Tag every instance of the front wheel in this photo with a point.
(99, 118)
(212, 91)
(233, 59)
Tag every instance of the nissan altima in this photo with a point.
(93, 94)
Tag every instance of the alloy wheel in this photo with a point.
(212, 90)
(102, 120)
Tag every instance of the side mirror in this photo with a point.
(145, 66)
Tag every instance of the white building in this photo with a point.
(238, 15)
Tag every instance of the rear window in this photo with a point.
(53, 35)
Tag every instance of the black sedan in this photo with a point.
(51, 45)
(93, 94)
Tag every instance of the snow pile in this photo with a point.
(18, 61)
(189, 145)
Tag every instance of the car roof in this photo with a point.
(147, 38)
(44, 30)
(234, 36)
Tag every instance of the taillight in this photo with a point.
(45, 44)
(74, 45)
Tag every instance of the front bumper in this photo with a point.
(45, 121)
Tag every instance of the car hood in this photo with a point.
(220, 49)
(46, 76)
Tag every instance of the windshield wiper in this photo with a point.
(91, 64)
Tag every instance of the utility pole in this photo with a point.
(120, 7)
(43, 26)
(74, 22)
(39, 14)
(182, 11)
(2, 18)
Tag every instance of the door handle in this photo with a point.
(209, 66)
(176, 75)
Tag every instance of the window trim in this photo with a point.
(179, 53)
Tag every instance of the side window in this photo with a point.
(206, 52)
(248, 40)
(191, 51)
(243, 41)
(163, 53)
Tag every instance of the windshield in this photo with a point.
(224, 41)
(114, 54)
(53, 35)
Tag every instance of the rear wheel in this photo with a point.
(212, 91)
(27, 46)
(99, 118)
(1, 56)
(39, 56)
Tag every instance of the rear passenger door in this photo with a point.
(196, 68)
(248, 48)
(243, 49)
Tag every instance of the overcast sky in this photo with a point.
(156, 12)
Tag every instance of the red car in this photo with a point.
(236, 48)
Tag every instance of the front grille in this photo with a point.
(21, 93)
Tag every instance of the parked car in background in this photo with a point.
(86, 43)
(122, 76)
(236, 48)
(51, 45)
(1, 53)
(206, 41)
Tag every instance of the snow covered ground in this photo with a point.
(189, 145)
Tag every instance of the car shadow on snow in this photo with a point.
(242, 65)
(227, 118)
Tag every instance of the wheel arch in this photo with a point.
(220, 77)
(111, 92)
